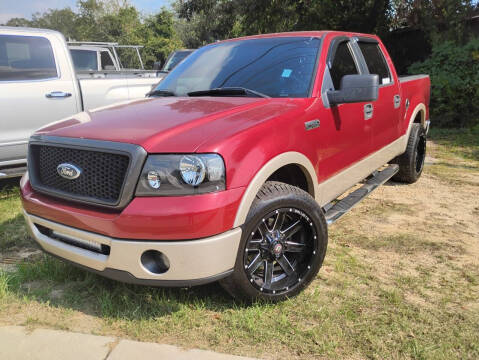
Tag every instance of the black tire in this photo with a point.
(411, 163)
(286, 215)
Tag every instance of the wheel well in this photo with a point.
(294, 175)
(419, 118)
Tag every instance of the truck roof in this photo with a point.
(28, 29)
(316, 33)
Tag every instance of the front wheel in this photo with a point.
(282, 247)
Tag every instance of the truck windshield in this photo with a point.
(85, 60)
(276, 67)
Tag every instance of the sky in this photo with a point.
(25, 8)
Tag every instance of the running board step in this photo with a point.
(376, 179)
(12, 172)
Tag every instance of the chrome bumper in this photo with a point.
(192, 262)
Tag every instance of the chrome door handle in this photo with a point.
(397, 101)
(368, 111)
(58, 95)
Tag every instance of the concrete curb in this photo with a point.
(16, 342)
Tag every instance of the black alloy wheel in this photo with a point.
(279, 251)
(283, 244)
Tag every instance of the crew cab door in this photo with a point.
(33, 90)
(345, 128)
(387, 109)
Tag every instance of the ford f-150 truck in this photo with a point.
(233, 168)
(38, 85)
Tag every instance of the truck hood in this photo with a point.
(170, 124)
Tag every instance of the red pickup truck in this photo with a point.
(232, 168)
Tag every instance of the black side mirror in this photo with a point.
(355, 88)
(157, 65)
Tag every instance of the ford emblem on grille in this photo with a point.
(68, 171)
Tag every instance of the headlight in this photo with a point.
(174, 175)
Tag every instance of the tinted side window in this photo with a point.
(106, 61)
(85, 60)
(343, 64)
(375, 61)
(26, 58)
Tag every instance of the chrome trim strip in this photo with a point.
(13, 143)
(404, 79)
(13, 162)
(189, 259)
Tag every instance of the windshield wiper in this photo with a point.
(160, 93)
(228, 91)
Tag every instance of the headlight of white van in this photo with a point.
(182, 174)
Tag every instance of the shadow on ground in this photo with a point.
(51, 281)
(60, 284)
(9, 184)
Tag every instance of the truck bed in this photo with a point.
(406, 78)
(415, 89)
(105, 88)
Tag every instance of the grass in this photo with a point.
(460, 142)
(13, 233)
(405, 293)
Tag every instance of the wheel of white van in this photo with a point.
(411, 163)
(283, 245)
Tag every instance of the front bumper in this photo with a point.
(191, 262)
(147, 218)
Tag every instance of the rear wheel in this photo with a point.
(411, 163)
(282, 247)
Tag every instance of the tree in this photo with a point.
(159, 37)
(112, 21)
(18, 22)
(209, 20)
(440, 19)
(63, 20)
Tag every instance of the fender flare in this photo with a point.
(287, 158)
(419, 108)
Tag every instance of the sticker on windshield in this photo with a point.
(286, 73)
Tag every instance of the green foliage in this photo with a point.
(209, 20)
(454, 71)
(440, 19)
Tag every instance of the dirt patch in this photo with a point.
(14, 256)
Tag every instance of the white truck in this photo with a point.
(39, 84)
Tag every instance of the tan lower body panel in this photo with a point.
(189, 260)
(338, 184)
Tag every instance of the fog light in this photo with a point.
(155, 261)
(154, 179)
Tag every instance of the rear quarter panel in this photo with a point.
(415, 90)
